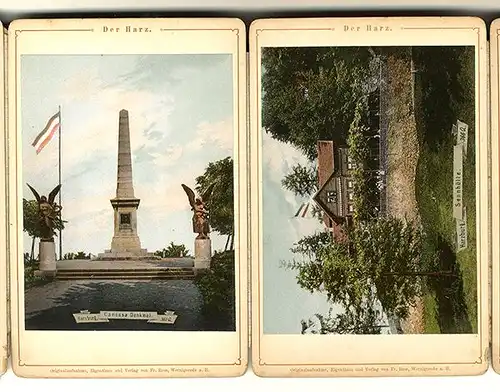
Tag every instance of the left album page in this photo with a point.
(127, 168)
(3, 223)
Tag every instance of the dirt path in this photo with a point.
(403, 151)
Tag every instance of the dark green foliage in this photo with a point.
(217, 286)
(362, 320)
(221, 202)
(384, 254)
(363, 153)
(81, 255)
(30, 266)
(31, 222)
(301, 180)
(173, 250)
(311, 93)
(445, 92)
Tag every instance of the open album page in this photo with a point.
(369, 196)
(128, 203)
(4, 346)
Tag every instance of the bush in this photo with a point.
(217, 287)
(30, 266)
(366, 193)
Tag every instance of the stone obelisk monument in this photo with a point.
(125, 244)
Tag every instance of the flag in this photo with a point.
(302, 211)
(48, 132)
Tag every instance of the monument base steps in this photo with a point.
(168, 273)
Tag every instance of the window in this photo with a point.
(331, 196)
(349, 184)
(350, 208)
(125, 219)
(350, 196)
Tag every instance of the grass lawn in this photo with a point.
(444, 92)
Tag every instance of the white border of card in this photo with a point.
(109, 354)
(3, 223)
(495, 193)
(364, 355)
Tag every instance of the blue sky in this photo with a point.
(181, 118)
(285, 303)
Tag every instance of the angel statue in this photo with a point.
(48, 213)
(200, 211)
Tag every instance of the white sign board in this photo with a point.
(462, 135)
(458, 182)
(104, 316)
(462, 232)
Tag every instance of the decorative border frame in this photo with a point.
(241, 229)
(257, 262)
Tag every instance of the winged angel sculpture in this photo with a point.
(48, 212)
(200, 212)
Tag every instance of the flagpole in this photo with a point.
(60, 190)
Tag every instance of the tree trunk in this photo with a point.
(355, 329)
(227, 242)
(32, 256)
(232, 242)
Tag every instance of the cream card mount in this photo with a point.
(495, 162)
(370, 197)
(4, 324)
(127, 178)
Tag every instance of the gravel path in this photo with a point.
(403, 152)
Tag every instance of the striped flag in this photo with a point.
(44, 137)
(302, 211)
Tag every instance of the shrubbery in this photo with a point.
(217, 286)
(365, 191)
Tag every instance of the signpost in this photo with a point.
(461, 130)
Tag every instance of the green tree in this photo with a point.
(221, 202)
(383, 254)
(310, 93)
(173, 250)
(362, 154)
(80, 255)
(329, 267)
(217, 287)
(364, 320)
(31, 222)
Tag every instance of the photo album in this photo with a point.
(322, 193)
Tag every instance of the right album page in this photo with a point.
(369, 196)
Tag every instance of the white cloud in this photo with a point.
(169, 156)
(277, 161)
(279, 157)
(161, 162)
(219, 134)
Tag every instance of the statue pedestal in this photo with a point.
(202, 253)
(47, 257)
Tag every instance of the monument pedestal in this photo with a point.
(47, 257)
(126, 254)
(202, 253)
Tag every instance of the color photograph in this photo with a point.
(128, 192)
(369, 190)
